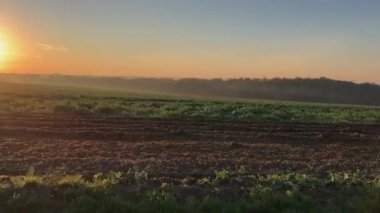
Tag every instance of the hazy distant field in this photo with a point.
(91, 150)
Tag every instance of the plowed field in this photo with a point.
(178, 148)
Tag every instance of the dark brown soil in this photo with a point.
(177, 149)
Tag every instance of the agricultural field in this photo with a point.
(33, 98)
(67, 149)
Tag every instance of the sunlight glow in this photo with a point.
(8, 51)
(3, 50)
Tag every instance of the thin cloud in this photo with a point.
(53, 48)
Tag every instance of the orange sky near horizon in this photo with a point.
(22, 55)
(31, 45)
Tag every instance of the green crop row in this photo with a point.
(29, 98)
(194, 109)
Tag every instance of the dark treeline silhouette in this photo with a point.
(322, 90)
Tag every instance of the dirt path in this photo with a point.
(173, 148)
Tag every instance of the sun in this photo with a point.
(8, 51)
(5, 55)
(3, 50)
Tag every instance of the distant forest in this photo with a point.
(321, 90)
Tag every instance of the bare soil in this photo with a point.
(178, 148)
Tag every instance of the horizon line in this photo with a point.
(130, 77)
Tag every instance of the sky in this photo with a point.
(193, 38)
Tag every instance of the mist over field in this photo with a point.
(321, 90)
